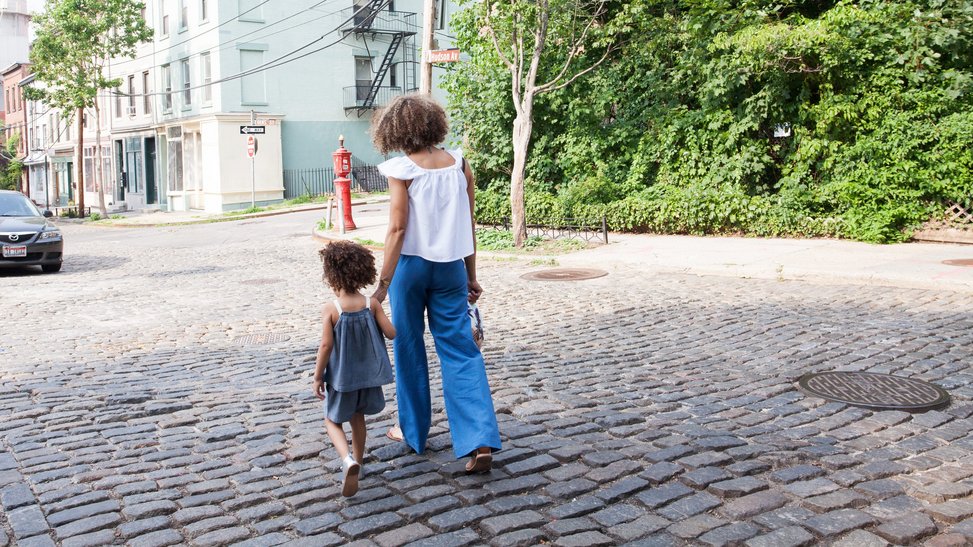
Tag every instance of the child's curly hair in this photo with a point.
(348, 266)
(409, 123)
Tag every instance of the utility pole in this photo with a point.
(428, 26)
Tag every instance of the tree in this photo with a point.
(546, 41)
(75, 40)
(10, 166)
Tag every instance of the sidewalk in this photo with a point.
(913, 265)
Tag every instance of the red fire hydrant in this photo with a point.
(342, 185)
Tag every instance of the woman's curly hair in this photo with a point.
(348, 266)
(408, 124)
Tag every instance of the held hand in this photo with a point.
(319, 389)
(474, 291)
(380, 293)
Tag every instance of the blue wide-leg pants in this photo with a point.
(439, 288)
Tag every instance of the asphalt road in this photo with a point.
(157, 392)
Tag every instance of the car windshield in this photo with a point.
(17, 205)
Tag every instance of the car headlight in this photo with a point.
(50, 234)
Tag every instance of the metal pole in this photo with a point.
(253, 183)
(425, 65)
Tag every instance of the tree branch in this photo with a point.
(573, 53)
(548, 87)
(493, 37)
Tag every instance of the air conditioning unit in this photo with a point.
(131, 111)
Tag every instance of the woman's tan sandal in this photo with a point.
(481, 462)
(395, 434)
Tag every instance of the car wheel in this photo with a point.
(51, 268)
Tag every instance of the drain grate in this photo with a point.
(263, 281)
(564, 274)
(959, 262)
(874, 390)
(260, 339)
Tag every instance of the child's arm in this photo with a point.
(324, 350)
(386, 326)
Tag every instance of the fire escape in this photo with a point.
(376, 26)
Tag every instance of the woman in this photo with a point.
(430, 267)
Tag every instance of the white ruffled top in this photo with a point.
(440, 227)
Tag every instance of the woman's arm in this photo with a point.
(474, 286)
(398, 219)
(324, 350)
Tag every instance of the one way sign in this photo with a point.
(252, 130)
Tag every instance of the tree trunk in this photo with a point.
(100, 169)
(523, 125)
(79, 163)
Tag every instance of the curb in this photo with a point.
(216, 219)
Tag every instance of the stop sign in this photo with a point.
(251, 146)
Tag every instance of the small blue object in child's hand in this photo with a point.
(476, 323)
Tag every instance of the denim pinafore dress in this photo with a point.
(358, 367)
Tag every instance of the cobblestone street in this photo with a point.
(157, 392)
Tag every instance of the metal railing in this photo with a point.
(355, 96)
(589, 231)
(320, 181)
(365, 20)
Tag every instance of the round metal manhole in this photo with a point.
(264, 281)
(874, 390)
(260, 339)
(959, 262)
(564, 274)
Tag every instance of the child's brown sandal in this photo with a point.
(481, 462)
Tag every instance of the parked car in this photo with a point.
(27, 236)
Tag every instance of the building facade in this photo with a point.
(16, 115)
(303, 72)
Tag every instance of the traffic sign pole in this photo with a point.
(253, 178)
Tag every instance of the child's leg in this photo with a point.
(358, 435)
(337, 434)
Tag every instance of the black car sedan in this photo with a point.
(27, 237)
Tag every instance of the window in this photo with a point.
(252, 86)
(207, 69)
(166, 88)
(363, 77)
(187, 92)
(165, 24)
(118, 102)
(250, 10)
(131, 95)
(203, 11)
(183, 15)
(146, 93)
(393, 75)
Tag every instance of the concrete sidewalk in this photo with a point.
(913, 265)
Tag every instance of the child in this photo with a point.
(352, 363)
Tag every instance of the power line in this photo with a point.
(274, 63)
(190, 38)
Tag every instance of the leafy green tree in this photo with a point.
(544, 46)
(11, 168)
(795, 117)
(75, 40)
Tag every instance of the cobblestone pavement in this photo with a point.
(157, 392)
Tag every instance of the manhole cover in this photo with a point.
(260, 339)
(564, 274)
(266, 281)
(873, 390)
(959, 262)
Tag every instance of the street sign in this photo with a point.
(444, 55)
(252, 130)
(251, 146)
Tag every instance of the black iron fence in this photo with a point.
(589, 231)
(320, 181)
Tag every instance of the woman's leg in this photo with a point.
(407, 296)
(469, 404)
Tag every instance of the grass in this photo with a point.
(368, 242)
